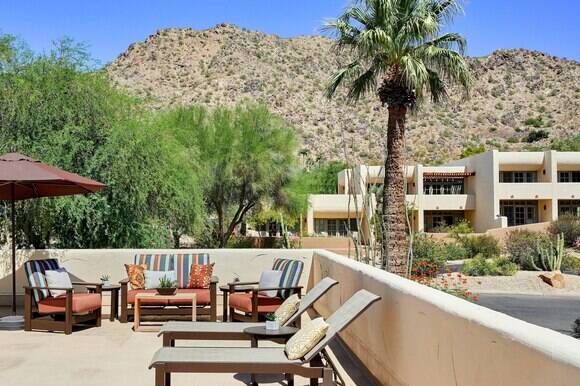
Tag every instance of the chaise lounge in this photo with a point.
(174, 330)
(168, 360)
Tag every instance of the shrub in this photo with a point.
(428, 256)
(522, 247)
(472, 149)
(454, 251)
(496, 266)
(536, 135)
(569, 226)
(571, 264)
(487, 246)
(535, 122)
(576, 329)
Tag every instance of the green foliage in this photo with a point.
(472, 149)
(522, 247)
(461, 228)
(569, 226)
(551, 256)
(428, 256)
(486, 246)
(534, 122)
(165, 282)
(536, 135)
(495, 266)
(571, 143)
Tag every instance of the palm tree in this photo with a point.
(396, 48)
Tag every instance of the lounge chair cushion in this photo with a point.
(200, 276)
(202, 298)
(287, 309)
(152, 278)
(306, 338)
(35, 270)
(291, 272)
(269, 279)
(58, 278)
(243, 302)
(155, 262)
(151, 301)
(136, 275)
(183, 263)
(81, 303)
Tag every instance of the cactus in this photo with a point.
(551, 257)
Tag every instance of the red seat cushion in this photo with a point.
(81, 303)
(150, 301)
(202, 299)
(243, 302)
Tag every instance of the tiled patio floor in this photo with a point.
(114, 355)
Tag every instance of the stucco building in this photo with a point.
(490, 190)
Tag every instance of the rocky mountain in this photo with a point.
(515, 93)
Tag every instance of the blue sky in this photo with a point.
(108, 26)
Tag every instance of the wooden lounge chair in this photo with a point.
(172, 331)
(42, 311)
(250, 302)
(168, 360)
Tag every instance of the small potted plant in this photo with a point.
(105, 280)
(272, 322)
(166, 286)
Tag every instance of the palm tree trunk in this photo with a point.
(394, 228)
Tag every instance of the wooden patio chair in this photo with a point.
(261, 360)
(45, 312)
(250, 301)
(172, 331)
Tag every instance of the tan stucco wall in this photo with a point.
(418, 336)
(90, 264)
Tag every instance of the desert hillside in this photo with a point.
(515, 92)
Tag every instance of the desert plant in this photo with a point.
(551, 256)
(569, 226)
(571, 264)
(485, 245)
(166, 282)
(396, 48)
(522, 247)
(428, 256)
(105, 277)
(270, 316)
(536, 135)
(496, 266)
(534, 122)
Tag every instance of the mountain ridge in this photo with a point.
(515, 92)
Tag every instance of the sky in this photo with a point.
(108, 27)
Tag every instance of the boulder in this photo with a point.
(555, 279)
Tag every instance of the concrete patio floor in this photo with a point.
(114, 355)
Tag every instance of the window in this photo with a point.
(519, 212)
(444, 186)
(569, 206)
(518, 177)
(569, 176)
(335, 226)
(436, 220)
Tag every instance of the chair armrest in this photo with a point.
(27, 287)
(124, 281)
(215, 279)
(86, 284)
(297, 288)
(234, 284)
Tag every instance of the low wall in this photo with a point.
(90, 264)
(417, 336)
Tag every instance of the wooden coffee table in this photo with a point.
(142, 299)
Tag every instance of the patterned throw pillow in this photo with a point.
(306, 338)
(136, 275)
(200, 275)
(287, 309)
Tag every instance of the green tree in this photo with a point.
(247, 157)
(396, 47)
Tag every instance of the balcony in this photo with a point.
(414, 336)
(525, 191)
(442, 201)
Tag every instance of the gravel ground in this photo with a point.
(523, 282)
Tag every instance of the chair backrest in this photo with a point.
(156, 262)
(342, 317)
(183, 262)
(291, 272)
(34, 270)
(311, 297)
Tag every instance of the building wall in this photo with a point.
(417, 336)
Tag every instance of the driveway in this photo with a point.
(554, 312)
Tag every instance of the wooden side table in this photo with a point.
(114, 290)
(142, 299)
(260, 333)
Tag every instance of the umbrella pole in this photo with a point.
(13, 215)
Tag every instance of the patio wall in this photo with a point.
(90, 264)
(420, 336)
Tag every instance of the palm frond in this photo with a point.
(337, 78)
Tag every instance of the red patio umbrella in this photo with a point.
(22, 178)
